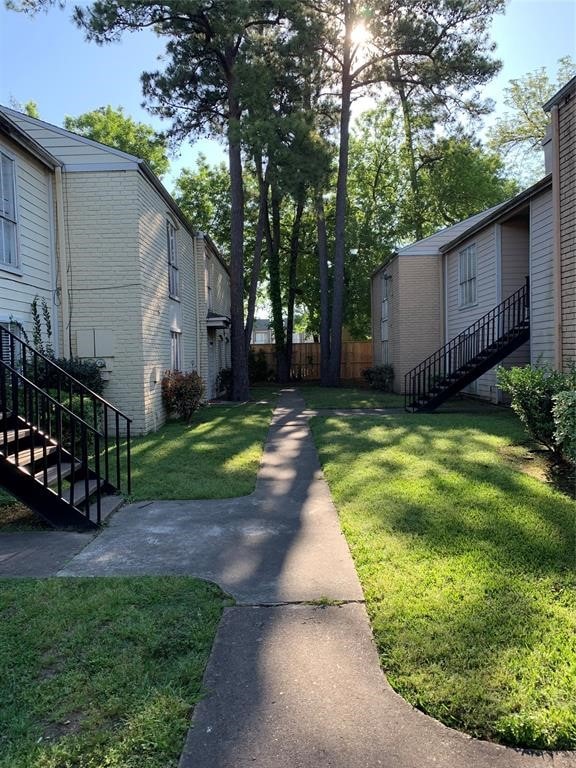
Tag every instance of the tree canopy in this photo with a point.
(519, 133)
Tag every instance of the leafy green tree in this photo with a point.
(443, 49)
(459, 178)
(115, 129)
(518, 134)
(203, 193)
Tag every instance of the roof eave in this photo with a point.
(559, 95)
(505, 209)
(20, 137)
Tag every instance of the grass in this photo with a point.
(215, 457)
(318, 397)
(102, 672)
(468, 567)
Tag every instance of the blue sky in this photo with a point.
(45, 59)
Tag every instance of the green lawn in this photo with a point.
(348, 397)
(468, 567)
(102, 672)
(215, 457)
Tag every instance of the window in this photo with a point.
(173, 279)
(8, 253)
(385, 280)
(175, 351)
(261, 337)
(467, 276)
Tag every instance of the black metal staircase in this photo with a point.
(470, 354)
(64, 450)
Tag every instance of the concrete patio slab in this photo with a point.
(39, 553)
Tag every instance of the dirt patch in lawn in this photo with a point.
(15, 516)
(537, 463)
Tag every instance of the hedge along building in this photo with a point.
(132, 278)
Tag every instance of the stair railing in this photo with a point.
(489, 333)
(36, 384)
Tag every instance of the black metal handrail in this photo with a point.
(488, 333)
(84, 425)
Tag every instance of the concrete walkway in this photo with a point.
(293, 680)
(289, 684)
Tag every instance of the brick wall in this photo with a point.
(416, 313)
(101, 210)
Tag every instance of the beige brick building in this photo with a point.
(562, 109)
(136, 288)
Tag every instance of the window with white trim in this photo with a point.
(8, 249)
(175, 351)
(384, 282)
(173, 276)
(467, 276)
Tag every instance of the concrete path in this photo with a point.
(293, 680)
(39, 553)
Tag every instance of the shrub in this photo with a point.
(564, 413)
(380, 377)
(85, 411)
(86, 371)
(532, 391)
(258, 366)
(182, 393)
(224, 381)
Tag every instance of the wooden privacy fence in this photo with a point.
(356, 356)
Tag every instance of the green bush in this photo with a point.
(532, 391)
(224, 382)
(564, 413)
(182, 393)
(85, 411)
(258, 370)
(380, 377)
(86, 371)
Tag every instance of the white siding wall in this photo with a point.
(541, 280)
(219, 282)
(458, 319)
(101, 212)
(35, 228)
(514, 248)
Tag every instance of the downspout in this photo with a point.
(62, 265)
(556, 256)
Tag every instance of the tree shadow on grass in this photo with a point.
(469, 569)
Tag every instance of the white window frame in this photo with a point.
(175, 350)
(467, 277)
(8, 217)
(261, 337)
(173, 271)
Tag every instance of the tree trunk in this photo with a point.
(292, 270)
(324, 290)
(275, 289)
(263, 185)
(240, 385)
(341, 195)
